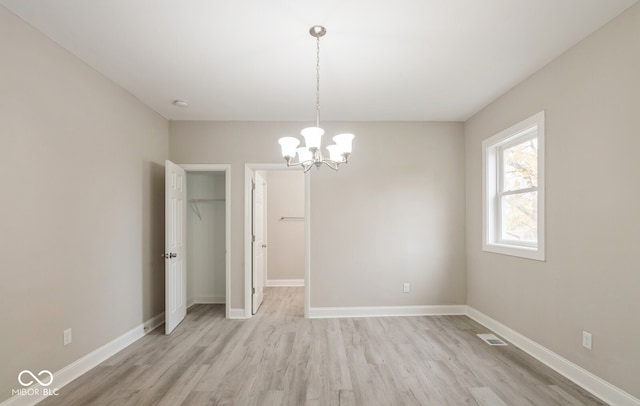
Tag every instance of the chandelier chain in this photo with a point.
(318, 82)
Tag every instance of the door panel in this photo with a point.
(175, 250)
(259, 245)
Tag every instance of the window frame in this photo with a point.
(492, 189)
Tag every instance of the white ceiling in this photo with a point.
(255, 60)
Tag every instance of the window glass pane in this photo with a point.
(520, 166)
(520, 217)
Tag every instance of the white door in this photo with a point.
(175, 270)
(259, 243)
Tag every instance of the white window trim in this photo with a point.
(491, 241)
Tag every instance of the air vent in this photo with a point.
(491, 339)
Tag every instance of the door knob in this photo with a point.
(169, 255)
(264, 245)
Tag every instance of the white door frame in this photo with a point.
(249, 169)
(226, 168)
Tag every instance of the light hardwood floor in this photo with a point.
(280, 358)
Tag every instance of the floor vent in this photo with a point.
(491, 339)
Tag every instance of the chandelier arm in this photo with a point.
(307, 168)
(291, 163)
(331, 164)
(305, 164)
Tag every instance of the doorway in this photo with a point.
(176, 229)
(291, 219)
(206, 246)
(201, 191)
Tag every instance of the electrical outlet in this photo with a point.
(586, 340)
(406, 287)
(67, 337)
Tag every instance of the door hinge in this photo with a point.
(254, 291)
(253, 238)
(253, 185)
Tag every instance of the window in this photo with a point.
(513, 186)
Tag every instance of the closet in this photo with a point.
(205, 237)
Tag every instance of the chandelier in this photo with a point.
(310, 155)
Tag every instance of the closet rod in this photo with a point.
(291, 218)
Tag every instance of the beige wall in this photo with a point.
(285, 198)
(590, 280)
(81, 215)
(395, 214)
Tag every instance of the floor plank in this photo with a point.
(486, 397)
(280, 358)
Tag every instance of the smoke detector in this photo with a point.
(180, 103)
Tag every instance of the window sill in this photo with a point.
(515, 251)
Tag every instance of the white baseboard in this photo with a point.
(384, 311)
(285, 282)
(583, 378)
(153, 323)
(206, 300)
(234, 314)
(88, 362)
